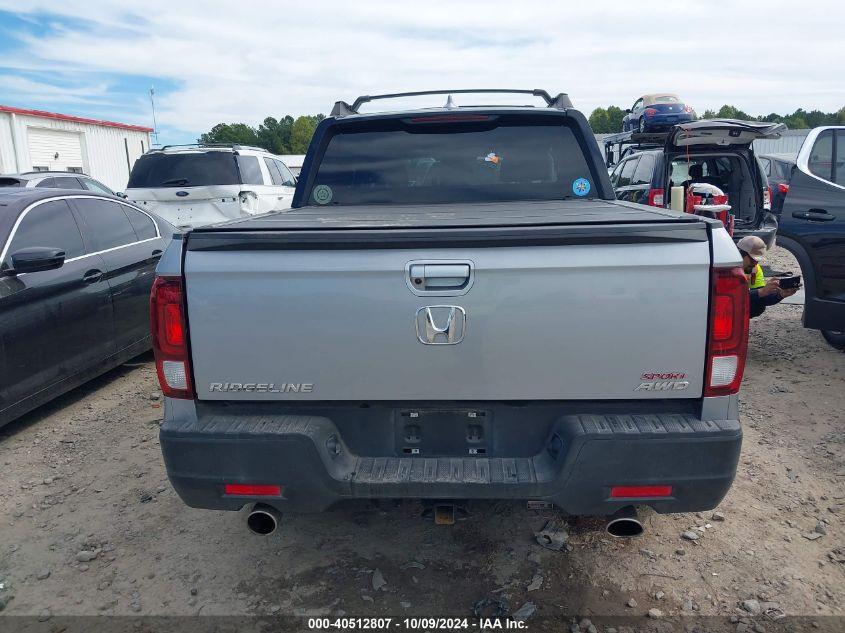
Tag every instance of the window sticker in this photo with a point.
(581, 186)
(322, 194)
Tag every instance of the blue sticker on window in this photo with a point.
(581, 187)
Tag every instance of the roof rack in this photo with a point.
(235, 146)
(561, 101)
(629, 142)
(48, 171)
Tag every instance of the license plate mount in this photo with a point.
(443, 432)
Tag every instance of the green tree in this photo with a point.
(614, 118)
(279, 136)
(239, 133)
(274, 135)
(301, 132)
(731, 112)
(599, 122)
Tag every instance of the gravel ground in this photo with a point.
(90, 525)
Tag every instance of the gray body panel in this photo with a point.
(580, 321)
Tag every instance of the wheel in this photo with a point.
(642, 125)
(835, 339)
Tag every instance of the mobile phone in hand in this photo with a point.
(793, 281)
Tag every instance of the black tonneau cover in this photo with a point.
(491, 224)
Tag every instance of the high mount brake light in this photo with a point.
(450, 118)
(727, 340)
(170, 337)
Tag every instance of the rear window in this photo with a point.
(424, 160)
(190, 169)
(250, 170)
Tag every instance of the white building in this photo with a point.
(32, 140)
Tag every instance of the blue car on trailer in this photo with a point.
(658, 111)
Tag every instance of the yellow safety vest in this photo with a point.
(756, 279)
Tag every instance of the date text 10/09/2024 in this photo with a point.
(412, 624)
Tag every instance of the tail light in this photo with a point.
(650, 111)
(728, 334)
(783, 188)
(688, 109)
(767, 198)
(170, 337)
(655, 197)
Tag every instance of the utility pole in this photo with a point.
(153, 104)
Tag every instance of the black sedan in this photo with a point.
(75, 276)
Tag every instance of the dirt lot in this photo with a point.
(91, 526)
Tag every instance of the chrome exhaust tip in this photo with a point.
(263, 519)
(625, 524)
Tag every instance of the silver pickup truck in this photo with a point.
(456, 307)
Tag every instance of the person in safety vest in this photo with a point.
(763, 293)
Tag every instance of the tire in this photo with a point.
(835, 339)
(641, 127)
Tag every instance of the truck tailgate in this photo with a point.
(587, 318)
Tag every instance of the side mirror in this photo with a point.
(120, 194)
(627, 110)
(35, 259)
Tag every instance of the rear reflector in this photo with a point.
(728, 334)
(630, 492)
(252, 490)
(170, 337)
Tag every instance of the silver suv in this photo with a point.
(54, 180)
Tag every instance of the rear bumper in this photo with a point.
(767, 231)
(664, 122)
(582, 456)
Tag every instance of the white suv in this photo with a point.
(196, 185)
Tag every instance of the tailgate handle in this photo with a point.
(438, 277)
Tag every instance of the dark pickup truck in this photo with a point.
(456, 307)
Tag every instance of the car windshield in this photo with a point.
(188, 169)
(424, 160)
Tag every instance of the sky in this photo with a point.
(223, 61)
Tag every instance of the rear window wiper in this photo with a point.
(176, 181)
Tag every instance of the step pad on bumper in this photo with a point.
(444, 470)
